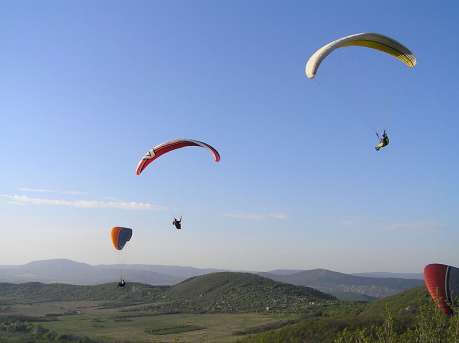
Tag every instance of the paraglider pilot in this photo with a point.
(383, 141)
(177, 223)
(122, 283)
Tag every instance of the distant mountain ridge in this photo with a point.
(178, 272)
(415, 276)
(343, 286)
(76, 273)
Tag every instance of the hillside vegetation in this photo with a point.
(410, 316)
(229, 292)
(405, 304)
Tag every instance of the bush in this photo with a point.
(430, 326)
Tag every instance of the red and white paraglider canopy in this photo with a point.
(164, 148)
(442, 282)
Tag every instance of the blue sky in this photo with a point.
(88, 87)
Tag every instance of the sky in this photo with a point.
(87, 87)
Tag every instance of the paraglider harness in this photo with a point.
(383, 141)
(122, 283)
(177, 223)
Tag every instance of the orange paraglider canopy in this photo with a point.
(120, 236)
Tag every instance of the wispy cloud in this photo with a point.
(123, 205)
(44, 190)
(257, 216)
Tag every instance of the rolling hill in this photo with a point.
(228, 292)
(215, 292)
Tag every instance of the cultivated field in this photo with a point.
(131, 324)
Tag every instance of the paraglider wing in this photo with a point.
(442, 282)
(369, 40)
(383, 141)
(177, 223)
(164, 148)
(120, 236)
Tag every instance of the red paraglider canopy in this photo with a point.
(442, 282)
(164, 148)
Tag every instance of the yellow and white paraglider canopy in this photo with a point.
(369, 40)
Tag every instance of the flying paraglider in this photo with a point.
(164, 148)
(120, 236)
(177, 223)
(370, 40)
(442, 282)
(383, 141)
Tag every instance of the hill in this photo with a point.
(340, 284)
(216, 292)
(229, 292)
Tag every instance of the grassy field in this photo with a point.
(48, 309)
(88, 319)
